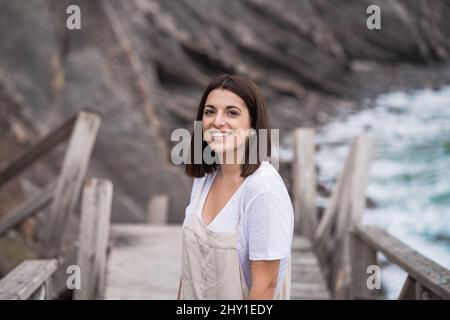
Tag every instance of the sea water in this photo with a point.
(410, 172)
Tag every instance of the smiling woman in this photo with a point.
(238, 226)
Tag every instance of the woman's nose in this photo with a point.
(219, 120)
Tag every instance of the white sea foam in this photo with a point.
(410, 173)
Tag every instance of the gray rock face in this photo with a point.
(27, 47)
(127, 153)
(144, 63)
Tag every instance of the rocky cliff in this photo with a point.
(144, 63)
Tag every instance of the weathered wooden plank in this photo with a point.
(122, 234)
(70, 182)
(300, 244)
(304, 182)
(17, 164)
(422, 293)
(360, 176)
(348, 195)
(306, 269)
(26, 278)
(308, 291)
(305, 261)
(307, 277)
(362, 256)
(144, 262)
(428, 273)
(94, 235)
(408, 289)
(311, 296)
(307, 280)
(303, 289)
(158, 209)
(325, 243)
(348, 213)
(313, 268)
(329, 216)
(30, 207)
(343, 211)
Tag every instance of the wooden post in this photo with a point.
(362, 256)
(408, 291)
(325, 243)
(28, 280)
(353, 200)
(69, 182)
(158, 209)
(349, 213)
(339, 269)
(94, 235)
(360, 176)
(304, 182)
(337, 195)
(344, 211)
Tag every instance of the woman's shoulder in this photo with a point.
(266, 194)
(265, 179)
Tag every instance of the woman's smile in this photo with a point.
(226, 120)
(218, 135)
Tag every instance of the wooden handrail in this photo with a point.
(31, 279)
(30, 155)
(33, 205)
(345, 209)
(27, 279)
(82, 130)
(341, 250)
(428, 274)
(70, 182)
(24, 159)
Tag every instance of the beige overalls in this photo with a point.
(210, 267)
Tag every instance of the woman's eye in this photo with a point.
(233, 113)
(208, 111)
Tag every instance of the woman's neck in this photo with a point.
(230, 171)
(229, 168)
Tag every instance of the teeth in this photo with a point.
(221, 134)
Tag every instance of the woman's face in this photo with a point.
(226, 120)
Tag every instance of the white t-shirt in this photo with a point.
(266, 222)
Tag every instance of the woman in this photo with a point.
(238, 228)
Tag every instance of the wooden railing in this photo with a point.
(62, 195)
(329, 233)
(30, 280)
(344, 255)
(426, 279)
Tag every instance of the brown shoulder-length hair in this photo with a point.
(249, 92)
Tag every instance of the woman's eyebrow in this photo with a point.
(227, 107)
